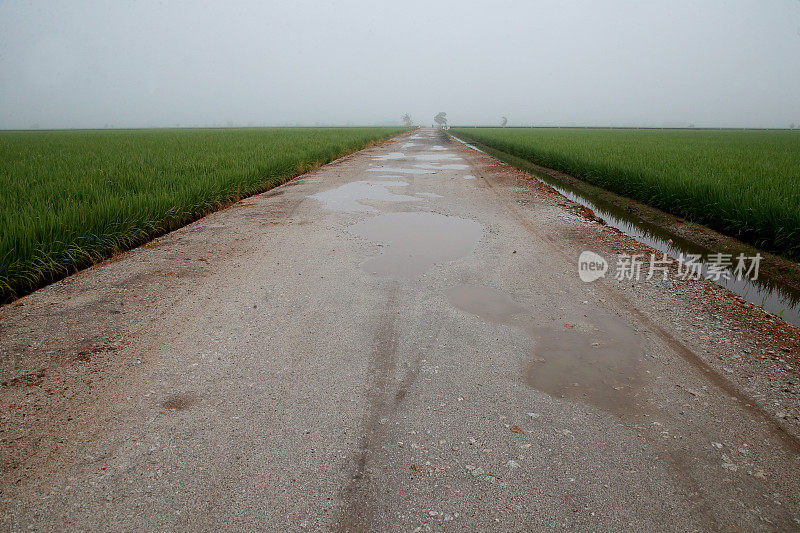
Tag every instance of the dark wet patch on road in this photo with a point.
(438, 156)
(402, 170)
(350, 196)
(598, 362)
(487, 303)
(416, 241)
(442, 166)
(601, 366)
(180, 401)
(391, 156)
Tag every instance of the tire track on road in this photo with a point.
(358, 500)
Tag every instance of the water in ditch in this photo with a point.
(767, 292)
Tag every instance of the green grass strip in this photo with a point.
(744, 183)
(71, 198)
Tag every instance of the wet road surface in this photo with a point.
(397, 341)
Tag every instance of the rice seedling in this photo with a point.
(71, 198)
(745, 183)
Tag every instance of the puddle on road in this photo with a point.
(601, 367)
(439, 148)
(416, 241)
(399, 170)
(391, 156)
(349, 196)
(598, 363)
(487, 303)
(438, 157)
(439, 166)
(469, 177)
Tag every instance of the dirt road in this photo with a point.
(397, 341)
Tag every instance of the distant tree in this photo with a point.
(407, 120)
(503, 122)
(441, 118)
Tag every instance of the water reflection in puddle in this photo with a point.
(400, 170)
(439, 166)
(389, 157)
(437, 157)
(416, 241)
(601, 367)
(349, 196)
(597, 362)
(489, 304)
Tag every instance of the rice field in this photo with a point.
(744, 183)
(71, 198)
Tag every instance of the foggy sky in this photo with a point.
(617, 62)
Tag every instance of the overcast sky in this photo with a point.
(615, 62)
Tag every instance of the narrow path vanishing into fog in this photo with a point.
(396, 341)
